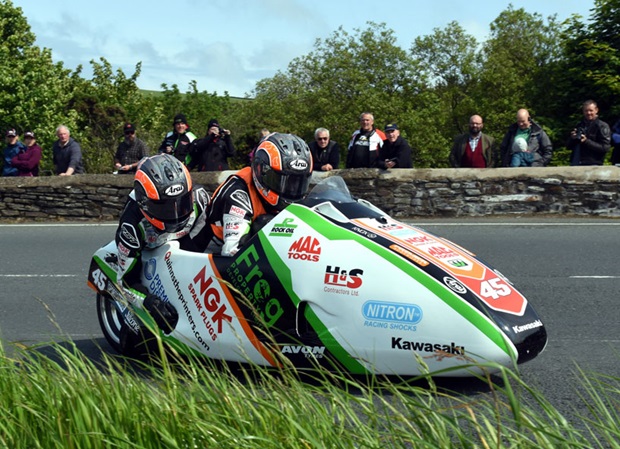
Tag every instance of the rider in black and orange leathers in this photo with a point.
(279, 175)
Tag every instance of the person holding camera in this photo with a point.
(211, 153)
(591, 139)
(177, 141)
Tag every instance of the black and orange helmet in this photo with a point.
(163, 189)
(281, 169)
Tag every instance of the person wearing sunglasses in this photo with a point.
(325, 152)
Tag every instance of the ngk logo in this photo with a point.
(306, 248)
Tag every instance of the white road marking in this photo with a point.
(38, 275)
(594, 277)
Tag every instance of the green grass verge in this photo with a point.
(65, 400)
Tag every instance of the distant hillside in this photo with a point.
(155, 93)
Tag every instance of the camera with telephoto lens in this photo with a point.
(221, 131)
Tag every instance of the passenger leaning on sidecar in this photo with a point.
(279, 175)
(163, 206)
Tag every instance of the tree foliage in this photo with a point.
(430, 90)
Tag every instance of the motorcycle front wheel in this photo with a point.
(110, 321)
(118, 333)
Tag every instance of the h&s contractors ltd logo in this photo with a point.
(346, 282)
(306, 248)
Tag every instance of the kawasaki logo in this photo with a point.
(419, 346)
(527, 327)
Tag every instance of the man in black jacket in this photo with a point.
(395, 152)
(211, 153)
(591, 139)
(539, 147)
(325, 152)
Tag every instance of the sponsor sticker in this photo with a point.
(174, 190)
(149, 268)
(306, 248)
(284, 229)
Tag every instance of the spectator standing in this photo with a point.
(27, 161)
(396, 152)
(12, 149)
(365, 143)
(67, 153)
(474, 149)
(325, 152)
(615, 141)
(591, 139)
(538, 150)
(177, 141)
(211, 153)
(130, 151)
(263, 133)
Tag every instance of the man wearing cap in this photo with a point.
(177, 141)
(365, 143)
(395, 152)
(67, 153)
(27, 161)
(130, 151)
(12, 149)
(211, 153)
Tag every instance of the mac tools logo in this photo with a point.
(306, 248)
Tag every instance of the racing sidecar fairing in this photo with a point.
(334, 281)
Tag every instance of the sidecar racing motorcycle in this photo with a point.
(331, 281)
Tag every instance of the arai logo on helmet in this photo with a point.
(175, 189)
(298, 164)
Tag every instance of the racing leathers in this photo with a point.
(135, 233)
(234, 206)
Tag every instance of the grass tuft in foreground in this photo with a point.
(69, 401)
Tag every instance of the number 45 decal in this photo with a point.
(494, 288)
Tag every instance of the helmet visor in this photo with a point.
(171, 209)
(289, 186)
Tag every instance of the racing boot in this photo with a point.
(164, 313)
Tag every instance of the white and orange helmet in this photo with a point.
(163, 189)
(281, 169)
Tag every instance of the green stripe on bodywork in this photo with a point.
(333, 232)
(284, 275)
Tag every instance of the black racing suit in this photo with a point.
(135, 234)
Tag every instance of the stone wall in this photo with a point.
(577, 191)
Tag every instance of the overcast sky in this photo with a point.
(230, 45)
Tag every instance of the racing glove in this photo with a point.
(164, 313)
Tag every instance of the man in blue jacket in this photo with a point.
(13, 148)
